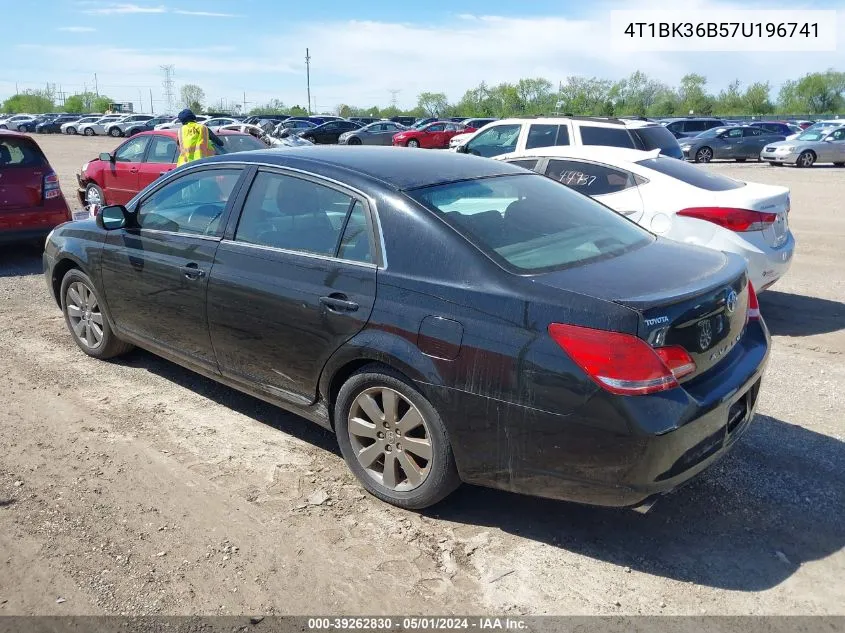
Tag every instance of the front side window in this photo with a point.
(192, 204)
(293, 214)
(609, 136)
(438, 127)
(132, 151)
(494, 141)
(530, 224)
(734, 133)
(591, 179)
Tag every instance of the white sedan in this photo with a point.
(674, 199)
(175, 123)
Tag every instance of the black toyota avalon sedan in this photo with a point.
(450, 318)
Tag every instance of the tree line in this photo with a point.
(638, 94)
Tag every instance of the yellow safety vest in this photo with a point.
(193, 143)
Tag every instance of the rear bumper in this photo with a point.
(673, 436)
(34, 223)
(26, 235)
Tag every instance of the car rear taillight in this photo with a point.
(50, 186)
(753, 304)
(621, 363)
(739, 220)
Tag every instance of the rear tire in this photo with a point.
(421, 428)
(115, 132)
(86, 318)
(774, 164)
(88, 131)
(22, 129)
(838, 164)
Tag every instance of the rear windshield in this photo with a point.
(532, 224)
(654, 137)
(20, 152)
(240, 143)
(695, 176)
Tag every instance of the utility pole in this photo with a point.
(152, 110)
(308, 77)
(96, 88)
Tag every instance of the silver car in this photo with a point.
(739, 143)
(118, 128)
(72, 127)
(99, 127)
(822, 145)
(378, 133)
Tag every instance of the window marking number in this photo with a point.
(576, 178)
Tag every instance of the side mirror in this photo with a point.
(113, 217)
(105, 156)
(463, 149)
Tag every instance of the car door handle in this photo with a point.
(192, 271)
(339, 303)
(133, 170)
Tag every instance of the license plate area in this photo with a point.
(737, 413)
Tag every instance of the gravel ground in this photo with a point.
(138, 487)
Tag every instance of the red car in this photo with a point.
(31, 201)
(115, 178)
(433, 136)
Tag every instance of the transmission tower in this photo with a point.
(393, 94)
(167, 85)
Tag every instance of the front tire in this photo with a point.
(71, 131)
(740, 160)
(704, 155)
(22, 129)
(805, 159)
(838, 164)
(413, 143)
(310, 139)
(393, 439)
(86, 320)
(115, 132)
(94, 195)
(354, 141)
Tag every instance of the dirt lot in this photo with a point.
(138, 487)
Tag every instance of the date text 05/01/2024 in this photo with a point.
(416, 624)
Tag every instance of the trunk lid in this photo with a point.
(685, 295)
(763, 198)
(22, 171)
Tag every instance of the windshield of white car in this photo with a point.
(815, 135)
(690, 174)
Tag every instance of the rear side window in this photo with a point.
(529, 224)
(162, 150)
(752, 131)
(690, 174)
(696, 126)
(545, 135)
(20, 152)
(654, 137)
(525, 163)
(590, 179)
(610, 136)
(293, 214)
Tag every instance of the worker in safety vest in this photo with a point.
(194, 139)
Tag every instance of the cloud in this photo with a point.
(206, 14)
(125, 9)
(77, 29)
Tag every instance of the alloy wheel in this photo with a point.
(84, 314)
(413, 143)
(390, 438)
(806, 159)
(92, 196)
(704, 155)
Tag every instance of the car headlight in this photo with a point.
(790, 148)
(84, 167)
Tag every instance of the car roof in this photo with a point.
(398, 168)
(13, 133)
(626, 123)
(600, 153)
(173, 133)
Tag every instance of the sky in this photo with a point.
(254, 50)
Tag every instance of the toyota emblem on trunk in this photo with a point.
(705, 335)
(730, 302)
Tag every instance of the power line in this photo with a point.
(167, 84)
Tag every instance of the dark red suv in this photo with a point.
(31, 202)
